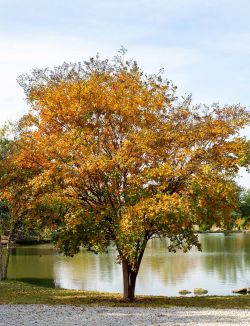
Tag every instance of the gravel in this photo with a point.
(67, 315)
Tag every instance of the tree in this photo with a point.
(245, 203)
(7, 224)
(120, 159)
(14, 196)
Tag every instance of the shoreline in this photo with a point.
(17, 292)
(45, 241)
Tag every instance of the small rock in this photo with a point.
(199, 291)
(184, 292)
(241, 290)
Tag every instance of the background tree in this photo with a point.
(119, 159)
(14, 198)
(245, 203)
(6, 223)
(243, 214)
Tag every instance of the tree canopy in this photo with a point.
(14, 185)
(117, 158)
(245, 204)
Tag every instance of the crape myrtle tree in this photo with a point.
(121, 159)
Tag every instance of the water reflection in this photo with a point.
(223, 265)
(89, 271)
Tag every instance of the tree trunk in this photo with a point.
(129, 273)
(7, 255)
(7, 258)
(129, 281)
(1, 259)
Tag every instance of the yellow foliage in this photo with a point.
(119, 146)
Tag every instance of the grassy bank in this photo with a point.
(13, 292)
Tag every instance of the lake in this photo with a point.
(223, 265)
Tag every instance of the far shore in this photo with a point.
(44, 241)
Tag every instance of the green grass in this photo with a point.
(15, 292)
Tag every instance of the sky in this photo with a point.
(204, 46)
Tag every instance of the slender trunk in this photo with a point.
(1, 259)
(7, 256)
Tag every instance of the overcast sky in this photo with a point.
(204, 46)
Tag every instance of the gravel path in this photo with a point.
(27, 315)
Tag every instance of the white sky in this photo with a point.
(203, 45)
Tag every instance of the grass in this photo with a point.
(16, 292)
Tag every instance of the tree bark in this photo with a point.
(7, 255)
(1, 259)
(129, 273)
(129, 280)
(7, 258)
